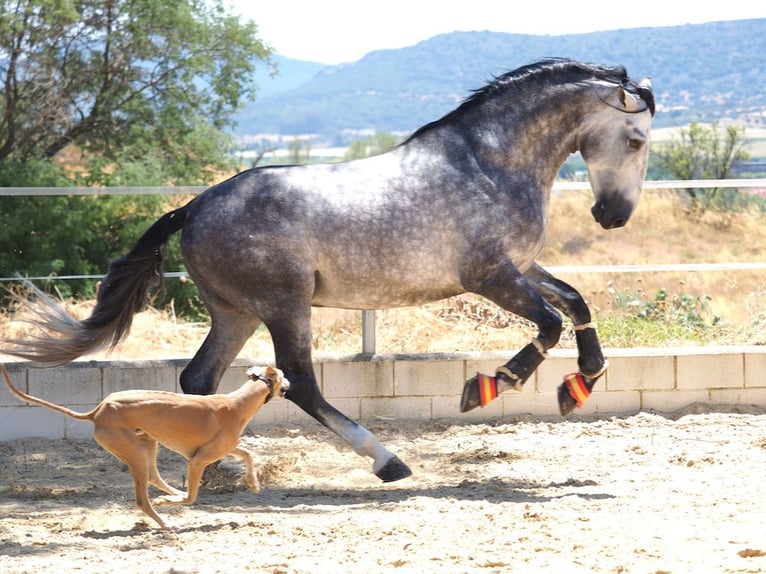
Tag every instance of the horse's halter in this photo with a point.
(639, 89)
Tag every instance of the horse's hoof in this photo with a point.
(574, 391)
(566, 403)
(393, 470)
(470, 399)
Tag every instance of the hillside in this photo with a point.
(703, 71)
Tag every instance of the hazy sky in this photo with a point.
(335, 31)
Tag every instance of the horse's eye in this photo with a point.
(634, 143)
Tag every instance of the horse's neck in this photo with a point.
(535, 139)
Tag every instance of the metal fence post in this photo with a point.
(368, 332)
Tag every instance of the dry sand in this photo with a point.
(641, 494)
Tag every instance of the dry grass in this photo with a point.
(660, 232)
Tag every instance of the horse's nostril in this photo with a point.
(597, 211)
(618, 223)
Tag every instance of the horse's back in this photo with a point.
(360, 232)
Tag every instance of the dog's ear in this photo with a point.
(276, 375)
(273, 373)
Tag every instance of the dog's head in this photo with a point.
(274, 379)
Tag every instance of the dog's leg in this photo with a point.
(250, 477)
(156, 480)
(140, 473)
(134, 450)
(196, 466)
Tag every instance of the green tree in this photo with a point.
(144, 88)
(703, 152)
(65, 235)
(123, 78)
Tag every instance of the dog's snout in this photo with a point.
(284, 386)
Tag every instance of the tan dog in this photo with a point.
(203, 429)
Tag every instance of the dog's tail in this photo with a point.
(53, 406)
(123, 292)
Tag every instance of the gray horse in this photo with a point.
(460, 206)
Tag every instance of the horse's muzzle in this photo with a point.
(610, 216)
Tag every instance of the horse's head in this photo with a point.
(614, 142)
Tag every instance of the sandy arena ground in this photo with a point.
(643, 494)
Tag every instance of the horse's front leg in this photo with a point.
(576, 387)
(511, 290)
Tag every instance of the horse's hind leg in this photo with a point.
(291, 333)
(590, 359)
(229, 330)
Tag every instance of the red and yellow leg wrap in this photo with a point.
(487, 388)
(576, 385)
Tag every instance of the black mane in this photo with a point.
(549, 70)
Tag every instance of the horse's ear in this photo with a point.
(621, 95)
(627, 100)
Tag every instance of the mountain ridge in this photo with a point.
(707, 72)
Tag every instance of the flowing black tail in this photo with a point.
(123, 292)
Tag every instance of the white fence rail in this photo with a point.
(368, 317)
(193, 190)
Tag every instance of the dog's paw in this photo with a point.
(169, 500)
(253, 484)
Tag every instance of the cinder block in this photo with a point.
(489, 367)
(485, 366)
(710, 371)
(427, 377)
(18, 376)
(535, 404)
(746, 396)
(73, 384)
(319, 374)
(669, 401)
(358, 379)
(448, 407)
(298, 415)
(273, 412)
(349, 407)
(397, 408)
(755, 370)
(124, 377)
(640, 372)
(232, 379)
(28, 422)
(611, 402)
(78, 429)
(551, 372)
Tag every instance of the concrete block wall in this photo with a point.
(411, 386)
